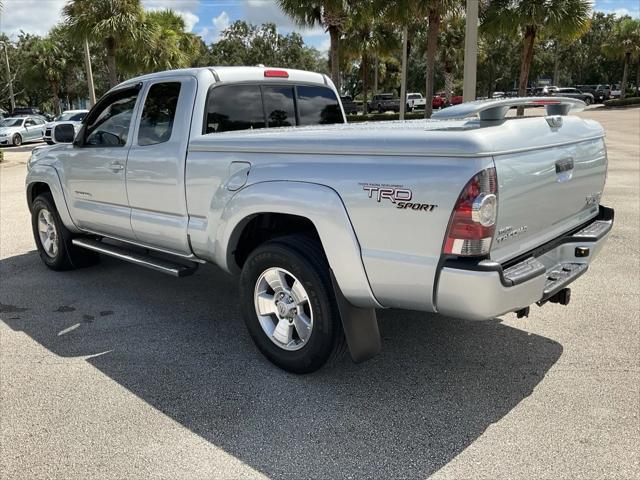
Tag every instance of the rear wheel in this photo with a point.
(289, 305)
(53, 239)
(17, 140)
(587, 101)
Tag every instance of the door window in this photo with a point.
(159, 113)
(109, 125)
(234, 107)
(29, 122)
(279, 106)
(318, 105)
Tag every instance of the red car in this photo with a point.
(439, 102)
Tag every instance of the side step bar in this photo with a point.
(158, 264)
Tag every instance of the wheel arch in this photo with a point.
(311, 208)
(44, 178)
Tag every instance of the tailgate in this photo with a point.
(546, 192)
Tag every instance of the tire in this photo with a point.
(59, 253)
(301, 261)
(380, 110)
(50, 142)
(587, 101)
(16, 140)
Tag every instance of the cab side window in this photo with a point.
(159, 113)
(234, 107)
(109, 125)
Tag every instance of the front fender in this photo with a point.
(318, 203)
(49, 175)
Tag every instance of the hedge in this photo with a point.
(616, 102)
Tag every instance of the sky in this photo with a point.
(208, 18)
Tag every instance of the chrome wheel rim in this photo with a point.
(283, 309)
(48, 233)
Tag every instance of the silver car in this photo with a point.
(17, 130)
(72, 116)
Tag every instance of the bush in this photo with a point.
(616, 102)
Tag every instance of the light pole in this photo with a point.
(470, 52)
(6, 57)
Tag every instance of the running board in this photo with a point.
(158, 264)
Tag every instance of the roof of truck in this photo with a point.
(237, 74)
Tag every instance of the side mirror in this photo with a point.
(64, 133)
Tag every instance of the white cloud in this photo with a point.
(31, 16)
(268, 11)
(184, 8)
(221, 21)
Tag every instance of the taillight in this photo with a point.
(276, 74)
(473, 221)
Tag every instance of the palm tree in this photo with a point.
(113, 21)
(624, 43)
(330, 14)
(167, 45)
(367, 37)
(451, 49)
(533, 18)
(48, 62)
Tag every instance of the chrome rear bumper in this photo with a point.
(486, 289)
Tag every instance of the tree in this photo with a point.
(624, 43)
(533, 18)
(330, 14)
(167, 46)
(47, 60)
(451, 49)
(114, 21)
(367, 37)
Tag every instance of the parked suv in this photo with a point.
(574, 93)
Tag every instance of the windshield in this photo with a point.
(414, 96)
(12, 122)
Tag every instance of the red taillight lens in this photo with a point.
(276, 73)
(473, 220)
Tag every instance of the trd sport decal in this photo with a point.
(396, 194)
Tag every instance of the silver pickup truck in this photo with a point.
(472, 215)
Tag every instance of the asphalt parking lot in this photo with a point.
(120, 372)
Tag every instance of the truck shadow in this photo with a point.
(181, 346)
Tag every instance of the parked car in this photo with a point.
(73, 116)
(498, 95)
(18, 130)
(325, 224)
(599, 92)
(415, 101)
(348, 105)
(438, 102)
(22, 111)
(383, 102)
(615, 91)
(574, 93)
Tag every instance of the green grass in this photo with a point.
(616, 102)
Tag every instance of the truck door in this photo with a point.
(95, 167)
(156, 163)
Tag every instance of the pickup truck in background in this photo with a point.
(383, 102)
(324, 222)
(415, 101)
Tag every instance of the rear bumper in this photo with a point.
(483, 289)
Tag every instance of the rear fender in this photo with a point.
(318, 203)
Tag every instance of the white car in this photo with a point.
(74, 116)
(415, 101)
(615, 91)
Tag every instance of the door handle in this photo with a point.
(116, 166)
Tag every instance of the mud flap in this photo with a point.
(360, 327)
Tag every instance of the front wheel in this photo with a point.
(17, 140)
(289, 305)
(53, 239)
(587, 101)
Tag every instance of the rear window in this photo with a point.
(244, 107)
(234, 107)
(318, 105)
(279, 106)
